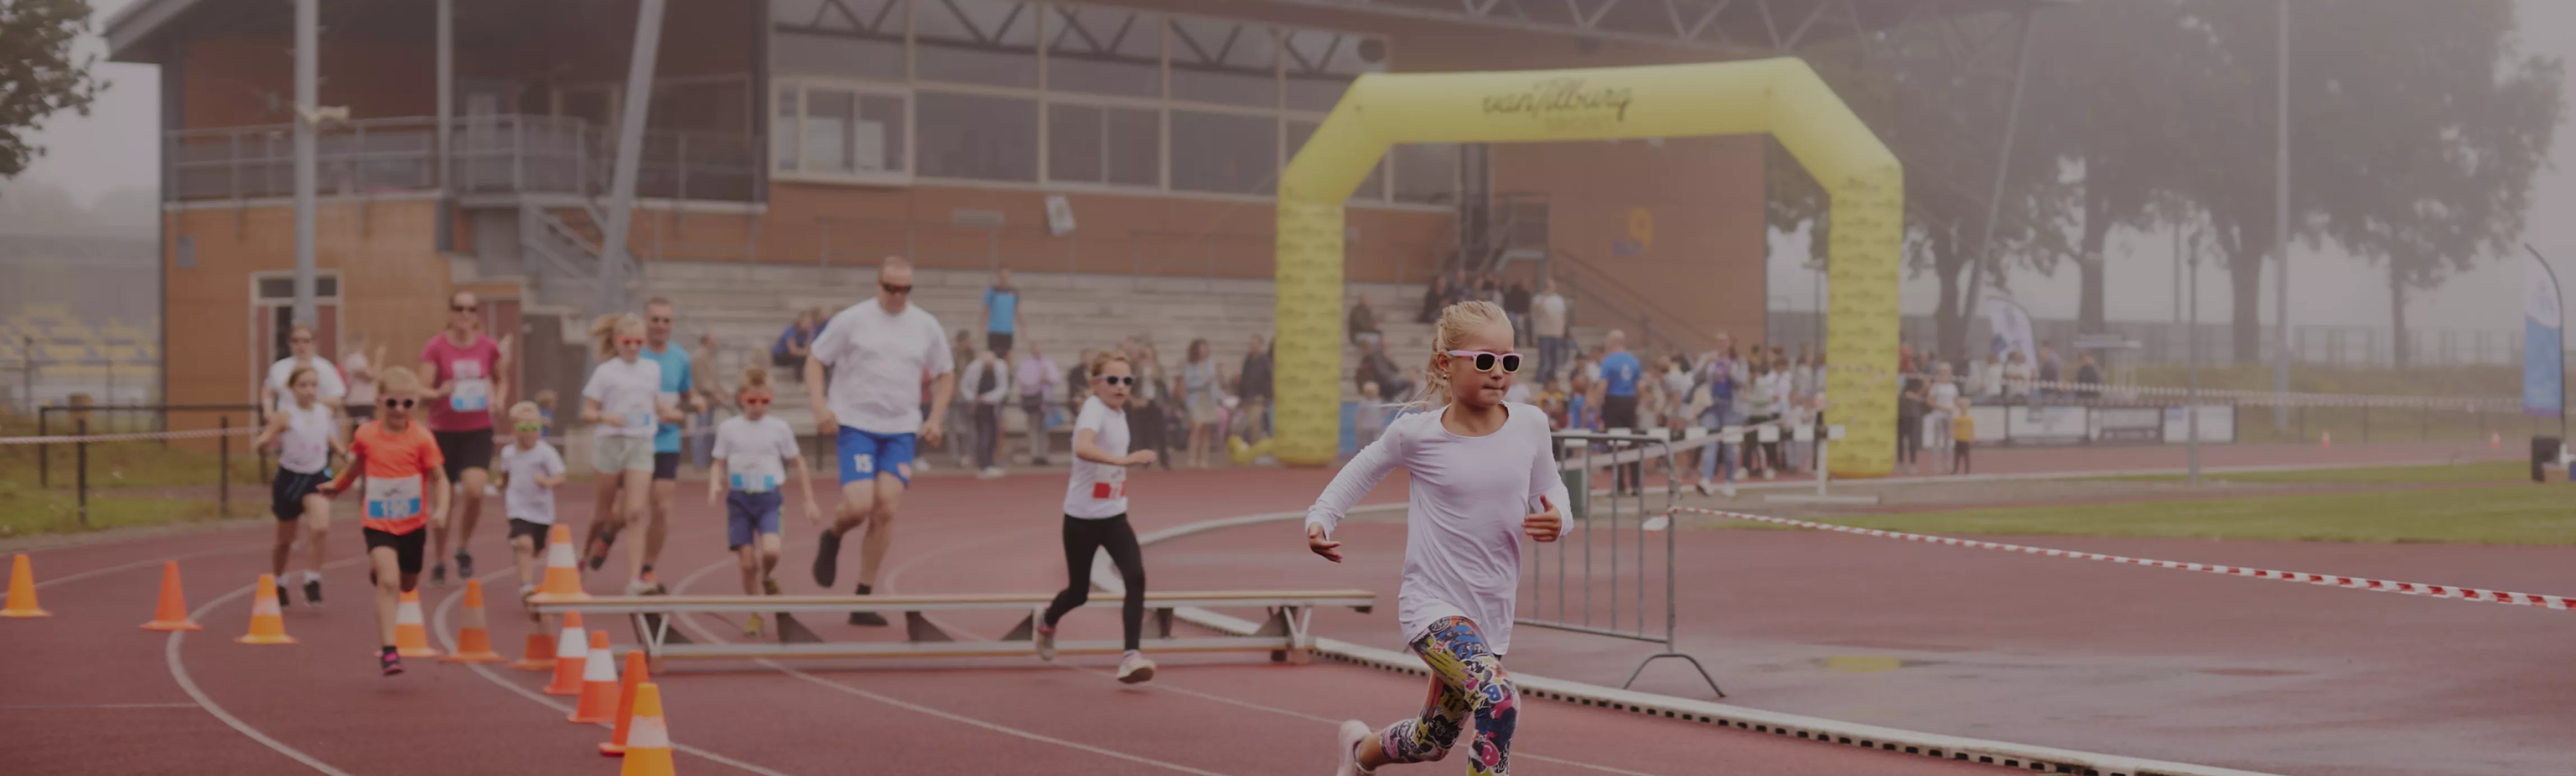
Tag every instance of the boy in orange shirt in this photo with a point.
(403, 469)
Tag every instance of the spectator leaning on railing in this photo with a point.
(1036, 376)
(1001, 313)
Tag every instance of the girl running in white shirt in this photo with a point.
(1482, 478)
(306, 437)
(623, 398)
(1095, 512)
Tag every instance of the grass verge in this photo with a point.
(2523, 514)
(2495, 472)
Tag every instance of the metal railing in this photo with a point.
(492, 154)
(1596, 294)
(967, 245)
(146, 420)
(1584, 583)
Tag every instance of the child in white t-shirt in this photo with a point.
(530, 469)
(1482, 479)
(1095, 512)
(751, 457)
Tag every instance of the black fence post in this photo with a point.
(224, 466)
(2365, 424)
(44, 452)
(80, 467)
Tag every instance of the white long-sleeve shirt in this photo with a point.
(1469, 495)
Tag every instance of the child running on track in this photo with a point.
(530, 470)
(306, 437)
(402, 467)
(623, 398)
(751, 454)
(1482, 478)
(1095, 512)
(878, 352)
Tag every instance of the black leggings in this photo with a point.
(1082, 539)
(1909, 439)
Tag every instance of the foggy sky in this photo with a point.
(109, 150)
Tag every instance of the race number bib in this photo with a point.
(1110, 483)
(863, 463)
(671, 398)
(755, 483)
(473, 392)
(393, 499)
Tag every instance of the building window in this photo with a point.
(853, 38)
(823, 129)
(1425, 173)
(1105, 51)
(978, 137)
(1224, 61)
(1321, 66)
(1224, 153)
(987, 42)
(1105, 145)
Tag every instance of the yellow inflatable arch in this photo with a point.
(1782, 97)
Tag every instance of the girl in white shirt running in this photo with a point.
(623, 399)
(1095, 512)
(306, 437)
(1482, 478)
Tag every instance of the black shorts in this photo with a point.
(408, 547)
(287, 491)
(998, 341)
(537, 531)
(464, 450)
(666, 466)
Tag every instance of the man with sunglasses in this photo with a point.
(466, 372)
(679, 389)
(878, 351)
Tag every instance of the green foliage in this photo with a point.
(39, 76)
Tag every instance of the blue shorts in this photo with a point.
(747, 515)
(864, 455)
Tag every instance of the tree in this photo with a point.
(39, 75)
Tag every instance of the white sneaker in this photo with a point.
(1353, 732)
(1135, 668)
(989, 472)
(1045, 638)
(638, 587)
(1701, 486)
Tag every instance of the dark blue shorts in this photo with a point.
(747, 515)
(865, 455)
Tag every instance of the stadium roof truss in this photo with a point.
(1732, 28)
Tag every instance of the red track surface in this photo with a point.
(2052, 652)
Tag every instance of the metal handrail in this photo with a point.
(493, 153)
(1636, 307)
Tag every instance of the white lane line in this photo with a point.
(145, 563)
(447, 637)
(179, 671)
(102, 706)
(710, 635)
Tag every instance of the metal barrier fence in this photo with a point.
(139, 424)
(1600, 578)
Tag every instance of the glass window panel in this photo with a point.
(978, 137)
(1135, 147)
(992, 42)
(1426, 173)
(861, 38)
(1105, 51)
(827, 130)
(1372, 188)
(1321, 65)
(881, 116)
(849, 134)
(782, 129)
(1216, 60)
(1075, 146)
(1224, 153)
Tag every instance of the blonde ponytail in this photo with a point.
(608, 327)
(1456, 322)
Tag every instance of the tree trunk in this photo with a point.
(1950, 320)
(2088, 261)
(2397, 315)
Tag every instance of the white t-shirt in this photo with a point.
(1519, 392)
(630, 390)
(1943, 398)
(328, 386)
(1098, 491)
(526, 499)
(755, 452)
(362, 390)
(878, 361)
(1547, 315)
(1468, 496)
(305, 448)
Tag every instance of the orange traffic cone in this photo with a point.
(411, 636)
(598, 683)
(2495, 441)
(563, 578)
(22, 591)
(2325, 439)
(172, 615)
(648, 743)
(570, 652)
(626, 684)
(474, 643)
(538, 656)
(267, 624)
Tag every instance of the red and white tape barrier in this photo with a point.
(2561, 603)
(144, 436)
(2258, 398)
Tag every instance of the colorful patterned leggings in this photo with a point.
(1467, 680)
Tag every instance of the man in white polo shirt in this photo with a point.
(878, 351)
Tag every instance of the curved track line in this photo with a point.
(704, 632)
(179, 671)
(144, 564)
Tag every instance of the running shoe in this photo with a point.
(1701, 486)
(752, 627)
(1135, 668)
(1046, 643)
(989, 472)
(281, 595)
(827, 558)
(769, 585)
(870, 619)
(1353, 732)
(393, 663)
(438, 574)
(599, 550)
(464, 564)
(639, 587)
(313, 593)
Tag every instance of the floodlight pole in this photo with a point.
(2003, 171)
(308, 23)
(613, 258)
(2191, 400)
(2281, 228)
